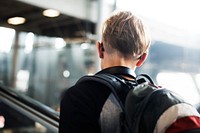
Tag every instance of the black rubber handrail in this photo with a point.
(30, 107)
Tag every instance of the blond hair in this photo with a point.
(126, 33)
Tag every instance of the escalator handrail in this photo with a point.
(30, 104)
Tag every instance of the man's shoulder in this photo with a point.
(88, 86)
(86, 80)
(88, 83)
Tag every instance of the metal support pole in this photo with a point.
(15, 56)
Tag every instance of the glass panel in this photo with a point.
(43, 67)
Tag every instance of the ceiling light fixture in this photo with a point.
(51, 13)
(16, 20)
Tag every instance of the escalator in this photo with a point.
(26, 115)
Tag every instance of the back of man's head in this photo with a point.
(125, 33)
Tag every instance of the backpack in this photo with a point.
(143, 105)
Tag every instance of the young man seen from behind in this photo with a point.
(125, 42)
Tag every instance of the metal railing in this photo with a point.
(31, 108)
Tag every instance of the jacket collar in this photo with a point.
(118, 70)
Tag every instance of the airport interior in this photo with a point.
(45, 54)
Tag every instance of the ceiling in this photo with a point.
(62, 26)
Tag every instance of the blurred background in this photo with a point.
(47, 45)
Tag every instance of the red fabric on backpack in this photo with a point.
(184, 124)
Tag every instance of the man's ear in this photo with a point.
(141, 60)
(100, 49)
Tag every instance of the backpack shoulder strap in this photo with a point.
(107, 79)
